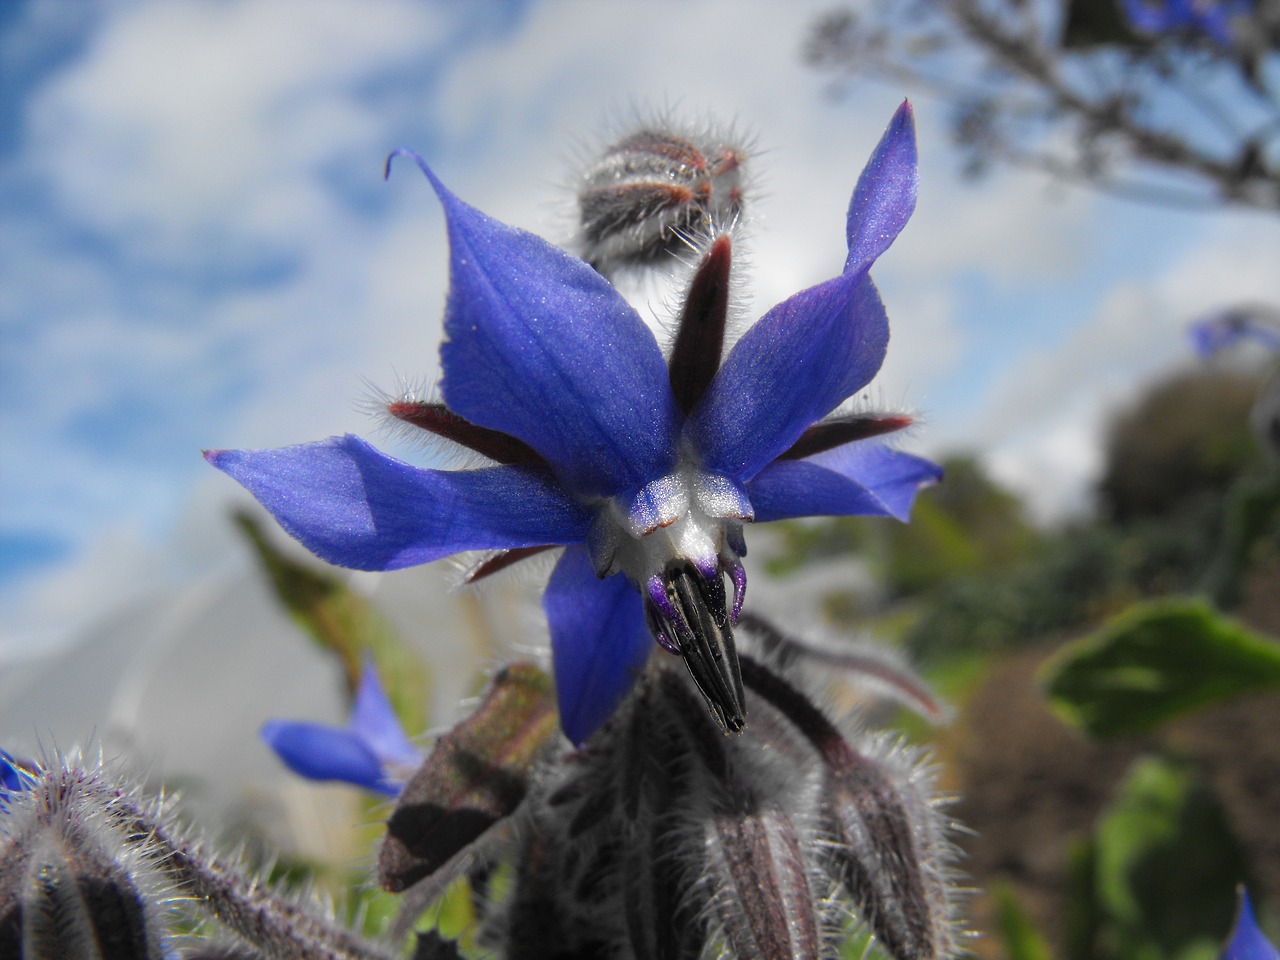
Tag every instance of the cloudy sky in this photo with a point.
(198, 249)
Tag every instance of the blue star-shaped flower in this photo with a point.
(644, 467)
(372, 751)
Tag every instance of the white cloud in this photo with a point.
(1043, 423)
(184, 115)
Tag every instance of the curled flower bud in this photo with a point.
(653, 190)
(91, 869)
(73, 881)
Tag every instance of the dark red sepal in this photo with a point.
(501, 560)
(838, 431)
(700, 339)
(438, 419)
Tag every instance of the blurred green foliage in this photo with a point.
(974, 575)
(341, 621)
(1157, 878)
(1155, 662)
(1186, 440)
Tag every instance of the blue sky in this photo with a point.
(199, 250)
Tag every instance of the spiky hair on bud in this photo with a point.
(93, 868)
(655, 190)
(74, 880)
(662, 837)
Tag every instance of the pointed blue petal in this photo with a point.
(800, 360)
(858, 479)
(374, 721)
(599, 642)
(318, 752)
(356, 507)
(1247, 941)
(893, 476)
(540, 346)
(885, 196)
(814, 350)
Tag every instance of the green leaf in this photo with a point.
(1155, 662)
(341, 621)
(1022, 941)
(1167, 865)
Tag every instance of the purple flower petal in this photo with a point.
(1247, 941)
(374, 721)
(540, 346)
(893, 476)
(13, 778)
(320, 752)
(855, 480)
(885, 196)
(357, 507)
(814, 350)
(800, 360)
(599, 642)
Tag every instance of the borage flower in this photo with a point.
(372, 751)
(644, 467)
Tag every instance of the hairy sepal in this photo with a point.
(475, 776)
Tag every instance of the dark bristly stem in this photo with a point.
(700, 339)
(838, 431)
(438, 419)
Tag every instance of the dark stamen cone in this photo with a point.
(700, 340)
(706, 641)
(438, 419)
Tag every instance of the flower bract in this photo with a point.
(644, 466)
(372, 751)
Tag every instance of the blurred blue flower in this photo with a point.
(13, 777)
(371, 752)
(1226, 328)
(1209, 17)
(1247, 941)
(639, 465)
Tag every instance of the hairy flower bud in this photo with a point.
(662, 837)
(648, 194)
(91, 869)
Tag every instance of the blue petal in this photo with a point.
(854, 480)
(599, 642)
(541, 347)
(356, 507)
(885, 196)
(800, 360)
(318, 752)
(893, 476)
(1247, 941)
(13, 778)
(1227, 328)
(374, 721)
